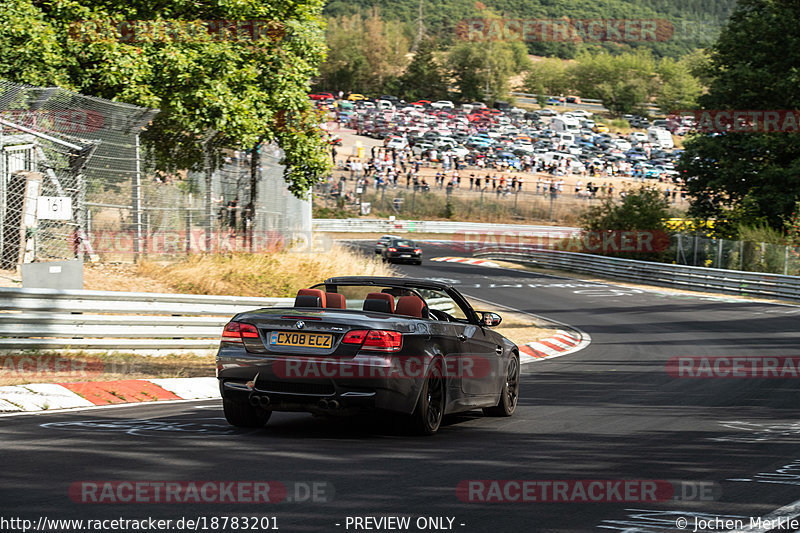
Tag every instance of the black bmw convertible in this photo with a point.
(409, 346)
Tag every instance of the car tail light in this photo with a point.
(236, 331)
(375, 339)
(392, 249)
(417, 251)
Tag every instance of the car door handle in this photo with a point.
(498, 350)
(461, 337)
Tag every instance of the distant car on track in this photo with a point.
(402, 250)
(410, 346)
(383, 242)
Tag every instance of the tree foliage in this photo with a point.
(481, 70)
(622, 82)
(424, 77)
(365, 54)
(642, 210)
(695, 23)
(240, 90)
(749, 177)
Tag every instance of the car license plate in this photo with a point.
(406, 255)
(303, 340)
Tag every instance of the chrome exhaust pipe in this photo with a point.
(323, 404)
(333, 404)
(263, 401)
(253, 400)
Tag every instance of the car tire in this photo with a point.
(428, 414)
(241, 414)
(510, 392)
(418, 262)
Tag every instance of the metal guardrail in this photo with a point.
(679, 276)
(110, 320)
(50, 318)
(357, 225)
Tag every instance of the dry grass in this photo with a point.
(278, 274)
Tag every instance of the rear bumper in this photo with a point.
(396, 256)
(371, 387)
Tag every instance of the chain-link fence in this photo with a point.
(82, 155)
(695, 250)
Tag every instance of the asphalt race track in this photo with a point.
(611, 412)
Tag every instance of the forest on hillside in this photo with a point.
(695, 23)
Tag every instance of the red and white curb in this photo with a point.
(466, 261)
(51, 396)
(560, 344)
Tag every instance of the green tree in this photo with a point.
(749, 176)
(239, 89)
(644, 210)
(424, 77)
(621, 82)
(481, 69)
(549, 76)
(365, 54)
(678, 89)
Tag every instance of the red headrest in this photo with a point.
(410, 306)
(313, 292)
(335, 300)
(382, 296)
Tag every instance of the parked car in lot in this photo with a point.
(321, 96)
(637, 137)
(402, 250)
(415, 347)
(397, 143)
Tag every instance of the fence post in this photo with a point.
(785, 260)
(741, 255)
(255, 163)
(209, 202)
(719, 253)
(137, 204)
(188, 218)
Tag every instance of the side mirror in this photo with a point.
(490, 319)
